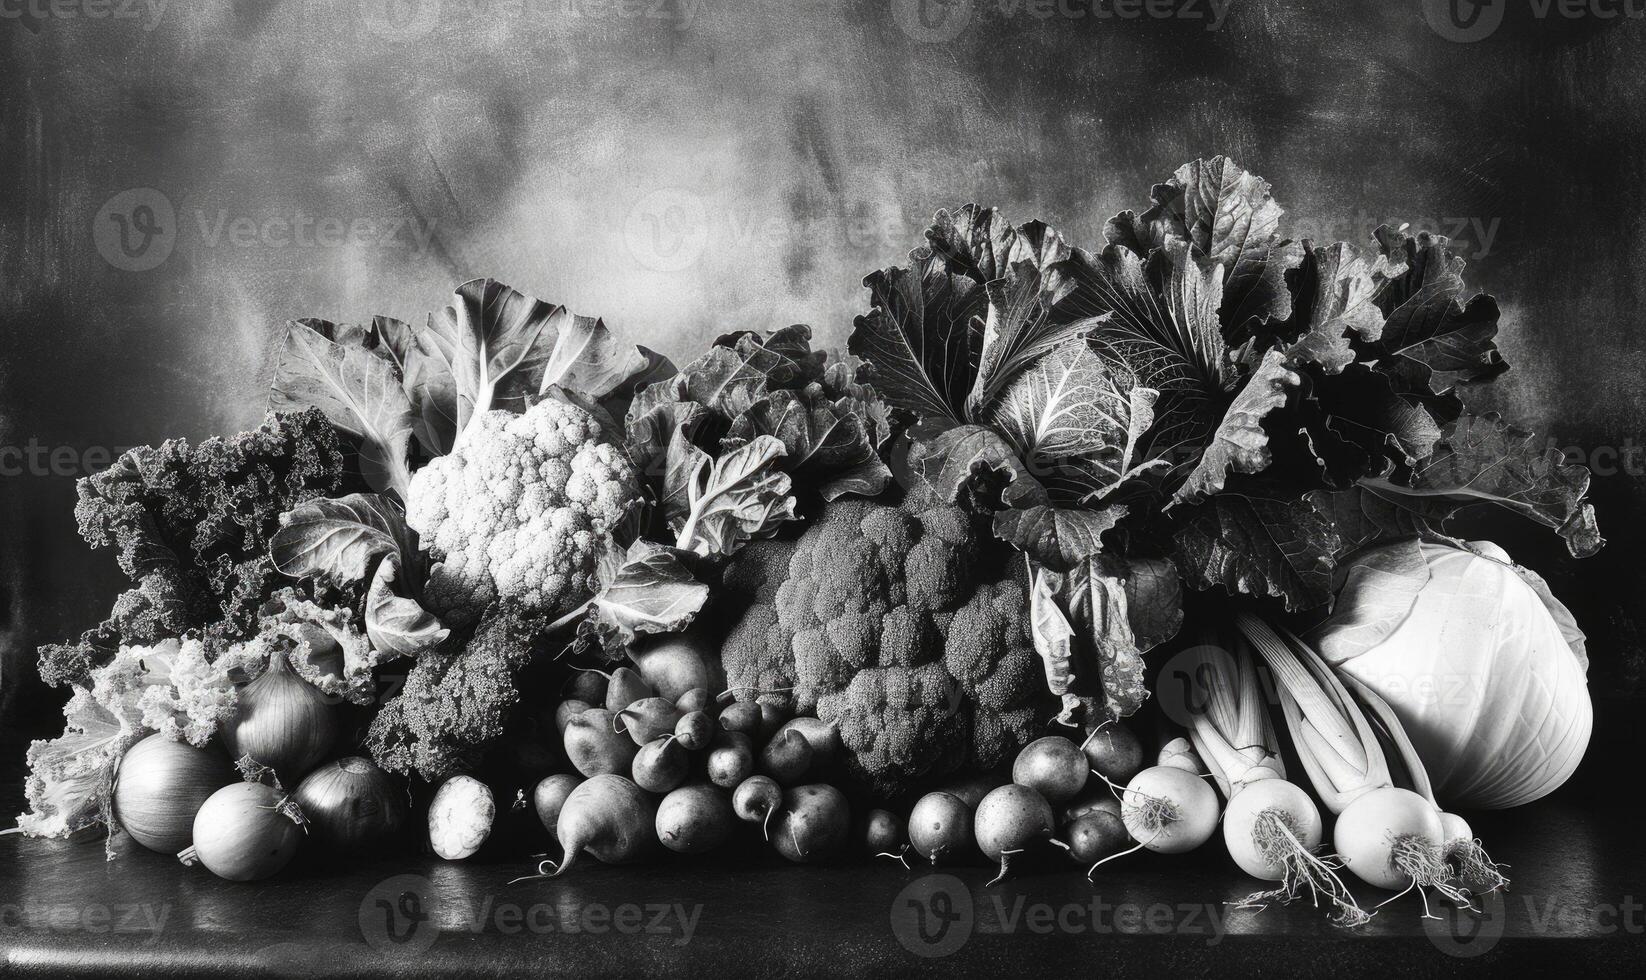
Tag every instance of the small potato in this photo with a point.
(731, 759)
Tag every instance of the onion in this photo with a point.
(245, 832)
(161, 785)
(283, 723)
(351, 804)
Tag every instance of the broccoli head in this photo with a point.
(905, 626)
(454, 704)
(191, 525)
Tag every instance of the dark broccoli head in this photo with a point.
(191, 526)
(900, 625)
(454, 705)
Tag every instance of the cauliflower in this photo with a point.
(898, 626)
(515, 513)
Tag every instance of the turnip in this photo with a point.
(565, 711)
(550, 797)
(1169, 810)
(623, 688)
(1113, 752)
(1095, 835)
(674, 663)
(661, 765)
(1052, 766)
(756, 799)
(813, 822)
(940, 826)
(1180, 754)
(694, 818)
(694, 730)
(1392, 838)
(1009, 820)
(742, 717)
(881, 833)
(787, 758)
(588, 686)
(697, 699)
(731, 759)
(648, 719)
(595, 748)
(607, 816)
(1464, 852)
(824, 737)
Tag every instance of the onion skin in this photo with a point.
(161, 785)
(352, 805)
(283, 723)
(241, 833)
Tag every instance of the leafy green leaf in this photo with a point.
(968, 465)
(1259, 542)
(359, 391)
(1339, 285)
(827, 444)
(1057, 538)
(1240, 442)
(396, 625)
(340, 537)
(1432, 339)
(650, 590)
(715, 506)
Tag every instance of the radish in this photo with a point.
(1168, 810)
(731, 759)
(696, 699)
(661, 765)
(608, 817)
(595, 747)
(1113, 752)
(588, 686)
(549, 798)
(756, 799)
(940, 826)
(565, 711)
(1392, 838)
(1463, 851)
(882, 833)
(674, 663)
(648, 719)
(694, 819)
(1095, 835)
(623, 688)
(1009, 820)
(787, 758)
(824, 737)
(1092, 800)
(694, 730)
(772, 718)
(1052, 766)
(972, 790)
(813, 823)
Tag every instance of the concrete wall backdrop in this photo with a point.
(685, 167)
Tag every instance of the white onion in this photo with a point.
(161, 785)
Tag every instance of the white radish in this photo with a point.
(1392, 839)
(1168, 810)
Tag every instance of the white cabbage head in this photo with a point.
(1484, 667)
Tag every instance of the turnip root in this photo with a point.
(1391, 838)
(1052, 766)
(608, 817)
(824, 737)
(756, 799)
(550, 797)
(624, 688)
(661, 765)
(1169, 810)
(649, 719)
(1009, 820)
(1113, 752)
(694, 819)
(731, 759)
(787, 758)
(742, 717)
(1467, 856)
(674, 663)
(1095, 835)
(1273, 829)
(813, 822)
(595, 748)
(694, 730)
(940, 826)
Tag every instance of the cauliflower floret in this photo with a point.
(515, 513)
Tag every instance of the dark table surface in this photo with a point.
(64, 908)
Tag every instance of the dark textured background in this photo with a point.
(734, 165)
